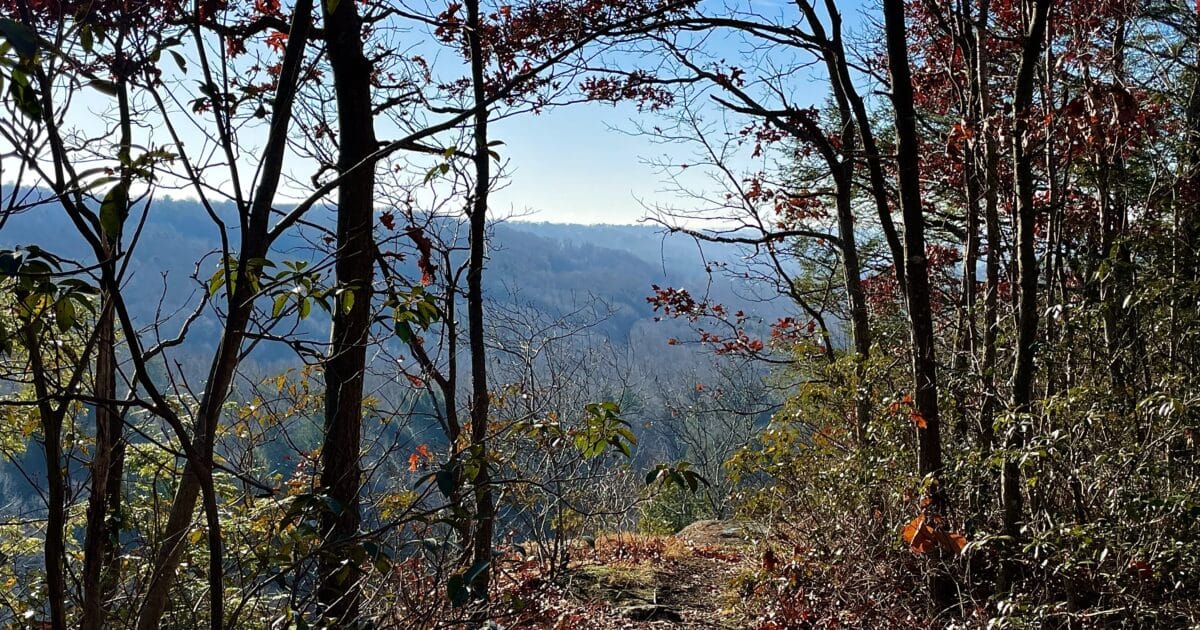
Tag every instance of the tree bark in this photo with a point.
(1027, 277)
(844, 89)
(54, 546)
(842, 166)
(100, 564)
(484, 504)
(341, 471)
(989, 164)
(924, 364)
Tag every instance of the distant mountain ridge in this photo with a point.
(551, 267)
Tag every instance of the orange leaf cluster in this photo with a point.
(924, 537)
(906, 403)
(414, 460)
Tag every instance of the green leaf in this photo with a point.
(475, 570)
(692, 480)
(21, 37)
(445, 481)
(25, 99)
(330, 505)
(64, 314)
(653, 475)
(280, 303)
(10, 262)
(404, 331)
(103, 86)
(216, 282)
(679, 474)
(179, 60)
(114, 210)
(85, 39)
(457, 591)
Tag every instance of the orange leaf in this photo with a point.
(922, 538)
(413, 461)
(918, 419)
(424, 451)
(919, 536)
(910, 530)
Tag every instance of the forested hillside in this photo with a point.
(555, 268)
(907, 336)
(589, 282)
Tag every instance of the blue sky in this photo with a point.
(570, 165)
(577, 164)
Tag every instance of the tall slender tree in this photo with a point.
(1027, 267)
(345, 368)
(917, 288)
(485, 509)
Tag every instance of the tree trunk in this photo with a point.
(484, 504)
(842, 167)
(100, 565)
(197, 475)
(848, 97)
(860, 323)
(100, 538)
(341, 471)
(924, 365)
(989, 165)
(1027, 278)
(54, 546)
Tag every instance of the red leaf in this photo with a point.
(425, 246)
(1141, 569)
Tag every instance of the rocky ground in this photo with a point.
(684, 581)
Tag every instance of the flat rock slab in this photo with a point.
(713, 532)
(651, 612)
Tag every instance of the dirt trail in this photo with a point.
(696, 588)
(686, 585)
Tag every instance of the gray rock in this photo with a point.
(651, 612)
